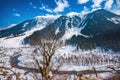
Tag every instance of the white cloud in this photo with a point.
(116, 9)
(97, 3)
(85, 11)
(113, 6)
(16, 14)
(116, 12)
(46, 8)
(61, 5)
(109, 4)
(118, 4)
(82, 1)
(33, 6)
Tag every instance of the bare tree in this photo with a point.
(46, 49)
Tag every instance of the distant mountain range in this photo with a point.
(100, 28)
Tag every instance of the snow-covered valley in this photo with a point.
(71, 62)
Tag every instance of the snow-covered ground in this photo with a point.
(66, 52)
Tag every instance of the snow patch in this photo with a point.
(25, 24)
(115, 20)
(70, 32)
(12, 42)
(10, 26)
(74, 31)
(57, 31)
(48, 16)
(105, 75)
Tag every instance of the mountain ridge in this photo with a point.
(95, 29)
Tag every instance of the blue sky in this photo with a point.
(16, 11)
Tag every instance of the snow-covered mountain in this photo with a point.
(38, 22)
(103, 29)
(100, 28)
(14, 36)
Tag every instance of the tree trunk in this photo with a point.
(46, 73)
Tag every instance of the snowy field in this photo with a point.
(69, 58)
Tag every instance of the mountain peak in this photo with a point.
(104, 12)
(71, 14)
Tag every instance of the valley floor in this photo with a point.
(17, 64)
